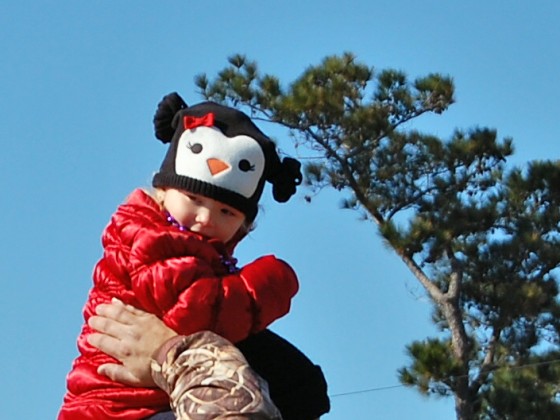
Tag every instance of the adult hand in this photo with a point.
(130, 336)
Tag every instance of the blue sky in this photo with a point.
(79, 83)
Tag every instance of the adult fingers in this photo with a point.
(109, 345)
(118, 311)
(128, 308)
(118, 373)
(107, 326)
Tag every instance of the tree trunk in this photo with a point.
(460, 348)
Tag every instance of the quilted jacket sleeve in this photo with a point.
(236, 305)
(174, 276)
(163, 265)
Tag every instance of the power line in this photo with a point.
(364, 391)
(387, 387)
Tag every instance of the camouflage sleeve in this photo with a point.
(206, 377)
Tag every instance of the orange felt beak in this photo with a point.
(216, 166)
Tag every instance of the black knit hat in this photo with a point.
(216, 151)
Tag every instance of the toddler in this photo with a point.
(170, 252)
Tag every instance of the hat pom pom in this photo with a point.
(166, 111)
(286, 180)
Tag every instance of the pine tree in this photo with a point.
(482, 239)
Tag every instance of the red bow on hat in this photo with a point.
(190, 122)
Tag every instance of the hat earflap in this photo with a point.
(165, 119)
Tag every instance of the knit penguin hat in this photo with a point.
(216, 151)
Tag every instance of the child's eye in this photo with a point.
(229, 213)
(193, 198)
(195, 148)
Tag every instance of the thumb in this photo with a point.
(119, 373)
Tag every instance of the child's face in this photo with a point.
(203, 215)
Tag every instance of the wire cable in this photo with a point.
(387, 387)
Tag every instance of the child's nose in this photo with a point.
(204, 216)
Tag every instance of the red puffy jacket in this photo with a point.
(180, 277)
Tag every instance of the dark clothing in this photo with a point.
(296, 385)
